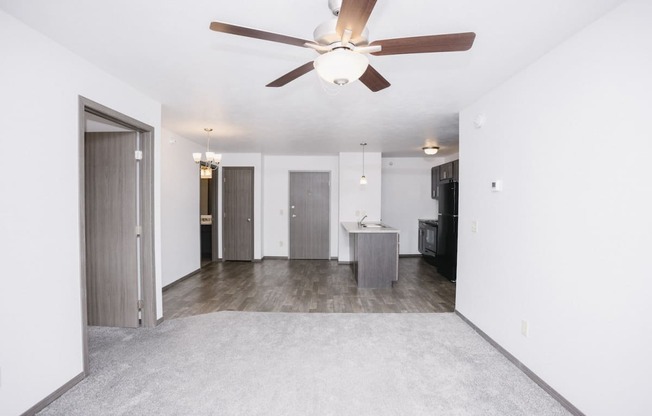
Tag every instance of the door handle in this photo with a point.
(248, 219)
(294, 215)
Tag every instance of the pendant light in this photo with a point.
(363, 179)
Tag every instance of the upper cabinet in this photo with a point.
(448, 172)
(434, 181)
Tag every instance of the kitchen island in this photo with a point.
(374, 253)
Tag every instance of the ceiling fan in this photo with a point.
(343, 44)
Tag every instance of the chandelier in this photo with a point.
(212, 159)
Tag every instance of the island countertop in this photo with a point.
(372, 228)
(373, 253)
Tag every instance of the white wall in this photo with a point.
(566, 246)
(40, 296)
(180, 227)
(357, 200)
(276, 182)
(255, 160)
(406, 196)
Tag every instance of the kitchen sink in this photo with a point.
(373, 226)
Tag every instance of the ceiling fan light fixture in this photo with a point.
(341, 66)
(430, 150)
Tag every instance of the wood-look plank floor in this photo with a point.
(305, 286)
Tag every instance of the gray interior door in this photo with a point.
(238, 213)
(309, 215)
(111, 219)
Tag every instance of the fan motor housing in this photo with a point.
(335, 6)
(326, 34)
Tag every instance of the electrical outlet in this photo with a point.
(525, 328)
(474, 226)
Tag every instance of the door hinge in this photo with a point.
(140, 304)
(138, 154)
(139, 230)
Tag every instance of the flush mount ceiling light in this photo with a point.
(363, 179)
(430, 150)
(341, 66)
(212, 159)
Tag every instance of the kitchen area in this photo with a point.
(438, 236)
(420, 214)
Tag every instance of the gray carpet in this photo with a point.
(250, 363)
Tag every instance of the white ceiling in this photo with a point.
(208, 79)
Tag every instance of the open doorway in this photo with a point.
(116, 174)
(208, 214)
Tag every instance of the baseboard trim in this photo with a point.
(181, 279)
(55, 395)
(343, 262)
(545, 386)
(288, 258)
(159, 321)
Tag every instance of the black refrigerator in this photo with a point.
(446, 259)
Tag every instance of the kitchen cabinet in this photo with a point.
(447, 172)
(434, 181)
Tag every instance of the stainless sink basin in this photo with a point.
(372, 226)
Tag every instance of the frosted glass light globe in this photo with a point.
(341, 66)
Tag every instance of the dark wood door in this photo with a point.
(238, 213)
(309, 215)
(111, 236)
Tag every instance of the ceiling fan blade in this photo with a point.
(353, 16)
(424, 44)
(373, 80)
(292, 75)
(257, 34)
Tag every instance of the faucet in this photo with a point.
(361, 219)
